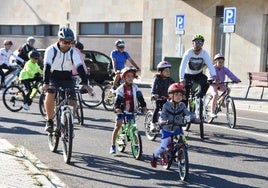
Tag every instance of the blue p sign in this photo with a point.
(180, 23)
(229, 15)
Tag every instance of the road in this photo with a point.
(225, 158)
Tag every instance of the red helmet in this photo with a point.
(173, 88)
(128, 69)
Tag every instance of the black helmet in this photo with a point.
(79, 45)
(66, 33)
(34, 54)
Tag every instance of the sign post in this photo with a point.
(180, 26)
(229, 27)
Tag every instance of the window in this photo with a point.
(111, 28)
(158, 35)
(220, 36)
(43, 30)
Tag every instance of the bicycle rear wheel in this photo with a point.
(208, 118)
(54, 137)
(108, 98)
(230, 112)
(67, 137)
(147, 122)
(201, 124)
(93, 99)
(13, 98)
(183, 163)
(42, 105)
(136, 145)
(79, 110)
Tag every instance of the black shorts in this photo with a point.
(64, 84)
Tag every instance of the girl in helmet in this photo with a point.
(171, 118)
(128, 98)
(30, 73)
(159, 90)
(119, 57)
(221, 72)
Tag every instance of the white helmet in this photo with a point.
(30, 40)
(162, 65)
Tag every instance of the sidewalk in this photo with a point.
(20, 169)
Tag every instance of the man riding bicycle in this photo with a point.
(59, 60)
(191, 67)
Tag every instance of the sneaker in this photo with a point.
(153, 127)
(49, 126)
(223, 105)
(112, 150)
(154, 162)
(113, 89)
(213, 115)
(25, 106)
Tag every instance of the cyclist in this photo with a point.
(119, 57)
(5, 55)
(59, 59)
(79, 47)
(30, 73)
(221, 72)
(26, 48)
(171, 118)
(128, 98)
(159, 90)
(191, 67)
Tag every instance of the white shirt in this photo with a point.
(4, 56)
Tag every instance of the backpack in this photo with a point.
(55, 53)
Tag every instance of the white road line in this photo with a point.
(250, 119)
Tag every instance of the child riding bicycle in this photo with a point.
(159, 90)
(221, 72)
(128, 98)
(171, 118)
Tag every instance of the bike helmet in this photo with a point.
(79, 45)
(162, 65)
(66, 33)
(173, 88)
(30, 40)
(126, 70)
(198, 37)
(34, 54)
(219, 56)
(7, 42)
(119, 42)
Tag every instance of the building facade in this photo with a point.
(147, 26)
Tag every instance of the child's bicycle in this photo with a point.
(177, 151)
(223, 101)
(14, 95)
(129, 133)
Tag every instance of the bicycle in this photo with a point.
(148, 120)
(63, 119)
(195, 106)
(130, 133)
(95, 98)
(223, 101)
(14, 95)
(177, 151)
(12, 78)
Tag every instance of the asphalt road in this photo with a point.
(225, 158)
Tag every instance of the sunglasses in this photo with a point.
(200, 42)
(65, 42)
(36, 58)
(121, 47)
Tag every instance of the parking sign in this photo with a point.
(229, 16)
(180, 22)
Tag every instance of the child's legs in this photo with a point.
(215, 95)
(27, 84)
(117, 127)
(162, 147)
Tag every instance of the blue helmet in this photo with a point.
(66, 33)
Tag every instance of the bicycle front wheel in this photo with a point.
(136, 145)
(108, 98)
(183, 163)
(67, 137)
(201, 124)
(230, 112)
(54, 137)
(13, 98)
(93, 99)
(147, 123)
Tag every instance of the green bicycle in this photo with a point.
(129, 133)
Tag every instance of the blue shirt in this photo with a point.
(120, 58)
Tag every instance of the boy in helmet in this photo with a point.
(128, 98)
(191, 67)
(171, 118)
(30, 73)
(159, 90)
(26, 48)
(221, 72)
(119, 57)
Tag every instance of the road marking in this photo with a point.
(250, 119)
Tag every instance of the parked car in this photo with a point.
(96, 62)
